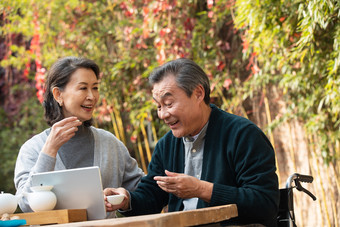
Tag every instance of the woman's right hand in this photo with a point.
(61, 132)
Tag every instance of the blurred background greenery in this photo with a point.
(274, 62)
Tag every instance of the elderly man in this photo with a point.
(208, 158)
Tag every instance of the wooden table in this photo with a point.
(171, 219)
(53, 216)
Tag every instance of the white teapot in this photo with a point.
(42, 198)
(8, 203)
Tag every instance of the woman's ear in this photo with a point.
(57, 95)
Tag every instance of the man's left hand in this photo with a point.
(185, 186)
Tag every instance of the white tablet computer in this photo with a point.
(79, 188)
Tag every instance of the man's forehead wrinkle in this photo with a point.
(162, 92)
(167, 94)
(161, 97)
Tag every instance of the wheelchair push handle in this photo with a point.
(305, 178)
(297, 178)
(286, 216)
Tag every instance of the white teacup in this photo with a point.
(115, 199)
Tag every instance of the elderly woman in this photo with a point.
(71, 142)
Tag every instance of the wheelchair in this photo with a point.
(286, 216)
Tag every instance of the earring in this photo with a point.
(60, 103)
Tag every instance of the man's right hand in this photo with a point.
(125, 205)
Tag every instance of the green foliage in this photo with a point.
(290, 43)
(14, 132)
(297, 47)
(128, 39)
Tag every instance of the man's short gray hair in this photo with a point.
(187, 73)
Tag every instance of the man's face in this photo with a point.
(180, 112)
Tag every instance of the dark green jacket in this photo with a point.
(238, 159)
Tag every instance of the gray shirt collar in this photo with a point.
(197, 139)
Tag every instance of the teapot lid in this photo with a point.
(41, 188)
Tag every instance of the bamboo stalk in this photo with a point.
(137, 155)
(120, 125)
(114, 124)
(336, 177)
(269, 121)
(335, 189)
(315, 188)
(146, 142)
(154, 134)
(333, 201)
(321, 185)
(141, 154)
(291, 147)
(292, 156)
(335, 152)
(336, 167)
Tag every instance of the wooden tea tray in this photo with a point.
(53, 216)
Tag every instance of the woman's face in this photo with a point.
(80, 95)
